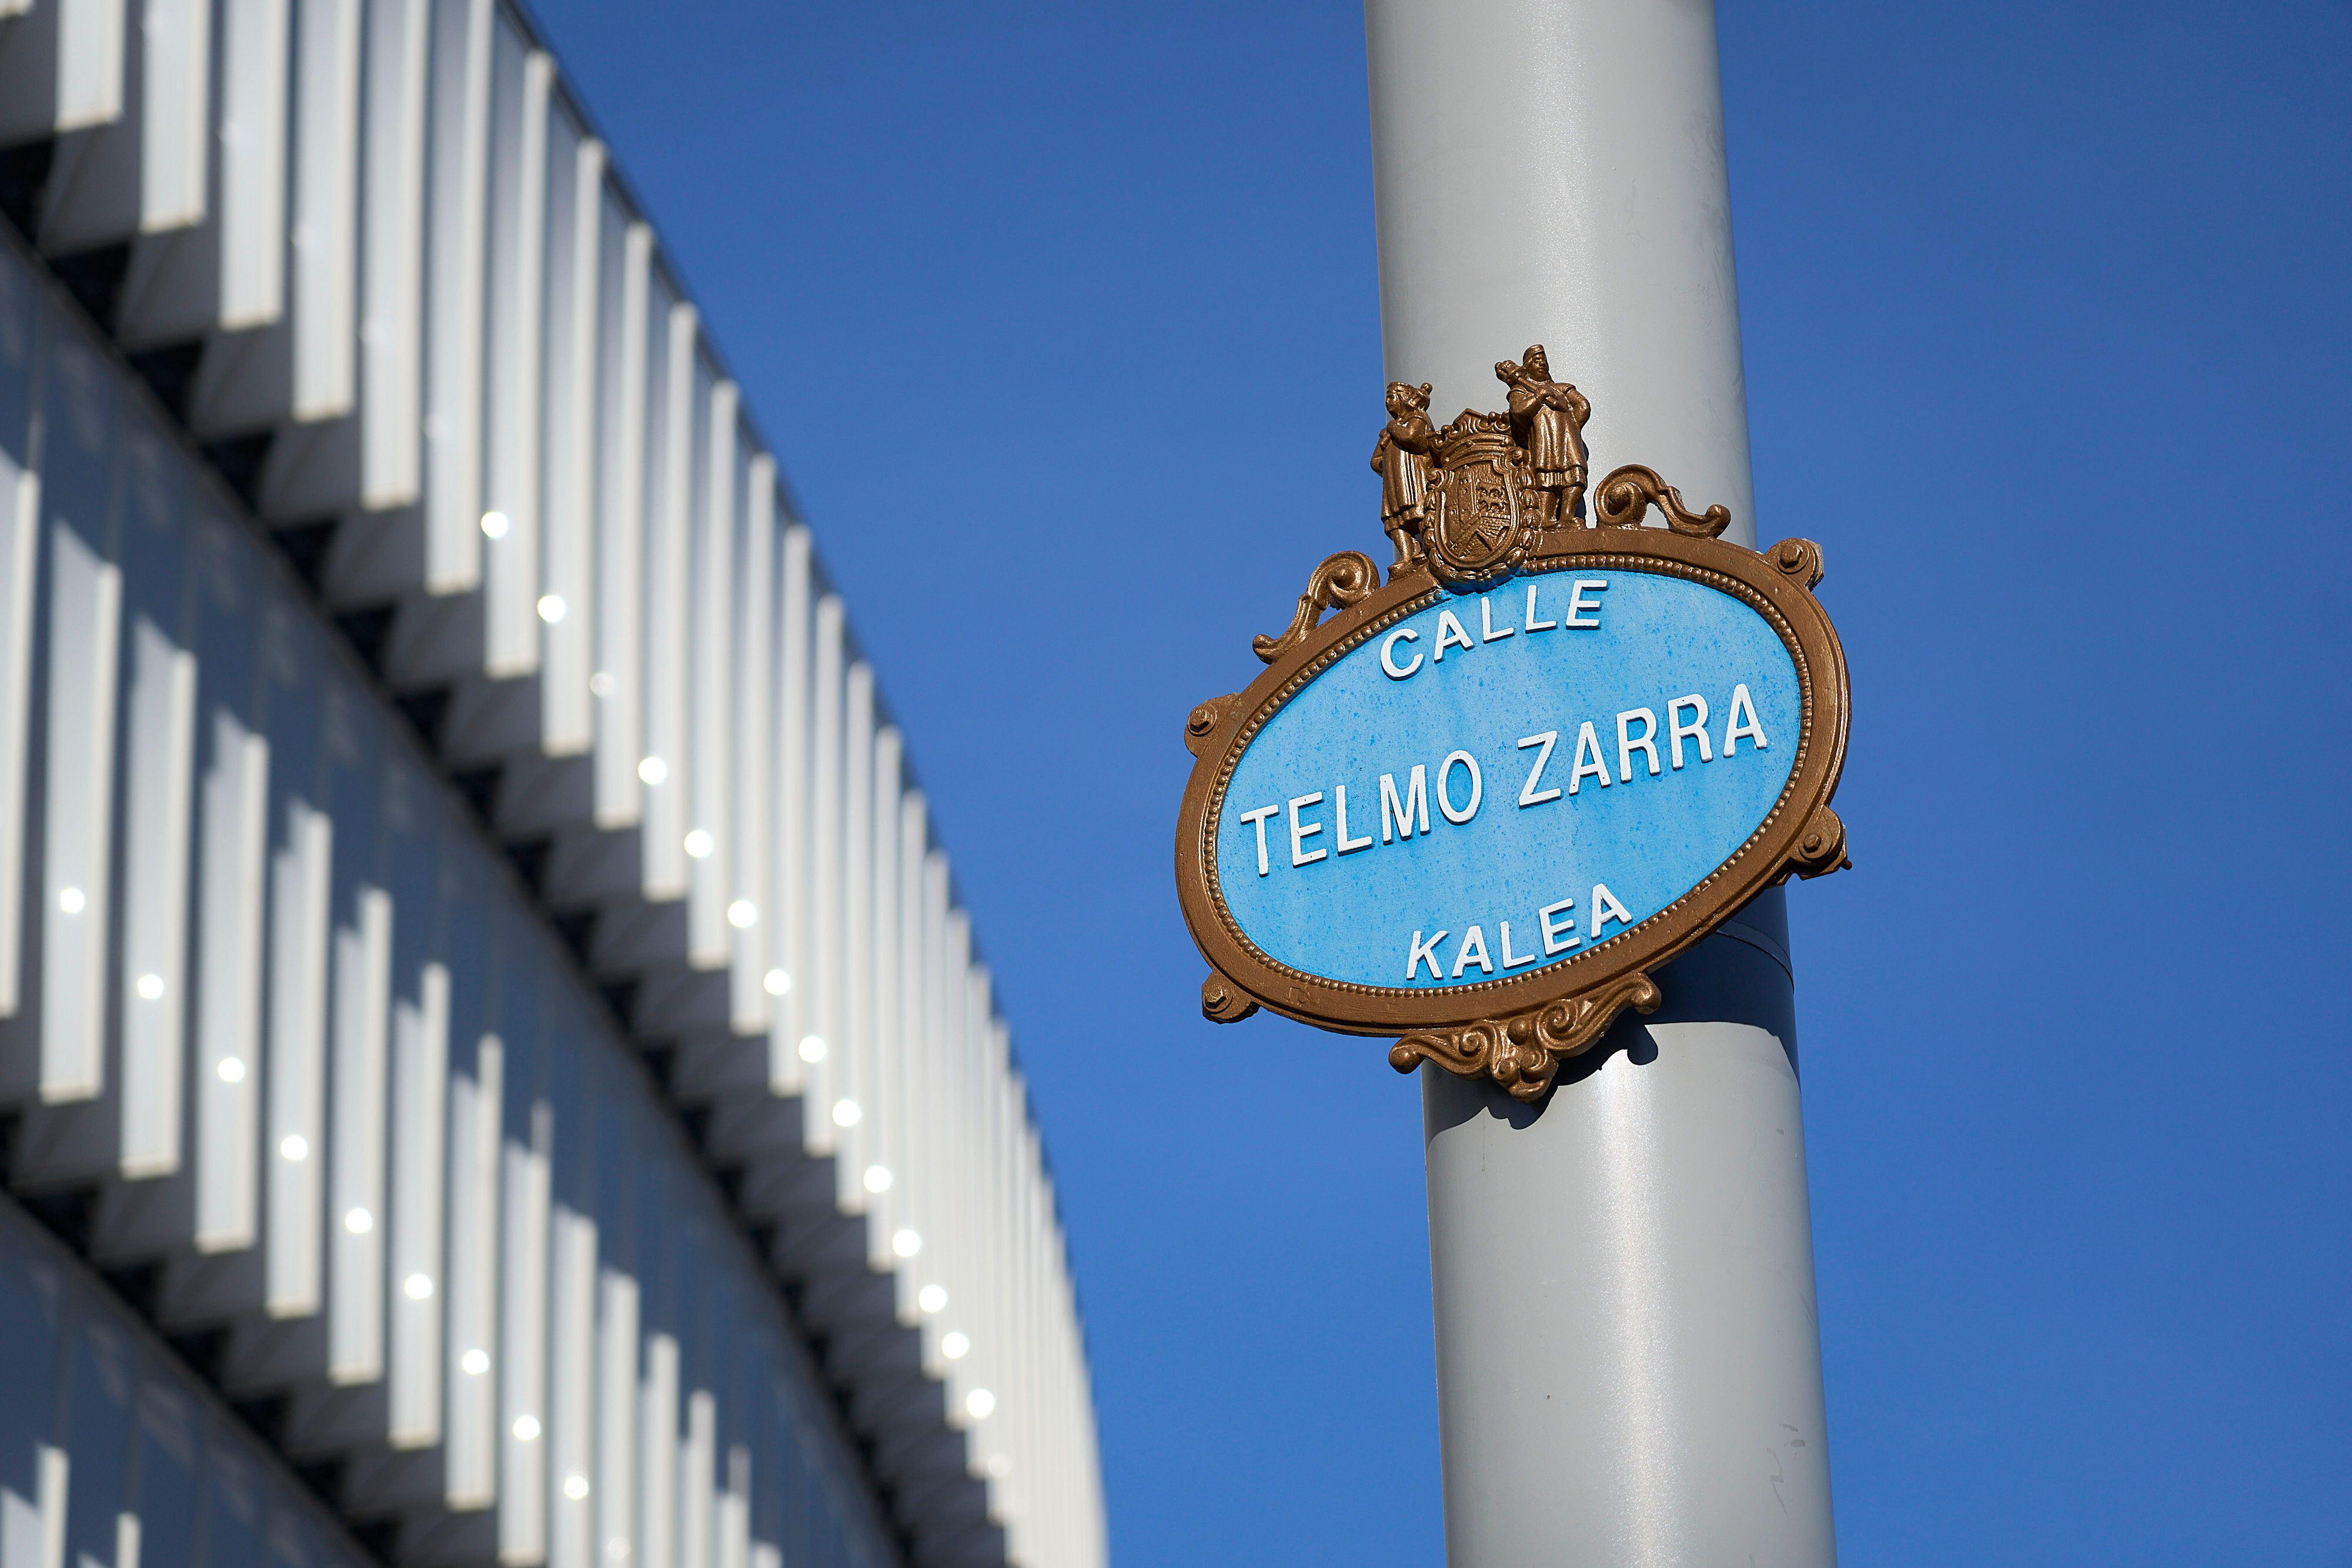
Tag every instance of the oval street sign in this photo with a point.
(1478, 806)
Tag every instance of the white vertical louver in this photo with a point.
(355, 1151)
(515, 314)
(153, 977)
(575, 182)
(228, 1062)
(457, 176)
(419, 1272)
(709, 734)
(791, 880)
(61, 67)
(522, 1354)
(297, 1066)
(395, 72)
(477, 1109)
(86, 599)
(751, 911)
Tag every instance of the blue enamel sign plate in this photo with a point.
(1443, 807)
(1501, 780)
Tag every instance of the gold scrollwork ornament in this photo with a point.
(1342, 579)
(1523, 1053)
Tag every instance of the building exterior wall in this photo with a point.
(111, 1453)
(476, 977)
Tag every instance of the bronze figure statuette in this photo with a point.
(1401, 457)
(1487, 497)
(1548, 421)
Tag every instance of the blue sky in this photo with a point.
(1063, 320)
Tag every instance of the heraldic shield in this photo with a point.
(1480, 524)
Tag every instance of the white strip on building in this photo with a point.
(492, 1065)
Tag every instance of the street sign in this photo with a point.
(1480, 806)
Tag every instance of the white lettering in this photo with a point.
(1629, 744)
(1486, 622)
(1527, 795)
(1733, 730)
(1534, 624)
(1578, 604)
(1449, 636)
(1257, 820)
(1676, 730)
(1401, 812)
(1388, 650)
(1589, 764)
(1553, 920)
(1347, 844)
(1418, 950)
(1299, 836)
(1473, 940)
(1477, 787)
(1554, 930)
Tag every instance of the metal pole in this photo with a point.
(1628, 1360)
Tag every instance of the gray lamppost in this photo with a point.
(1629, 1363)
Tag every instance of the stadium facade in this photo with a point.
(493, 1068)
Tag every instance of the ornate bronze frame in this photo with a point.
(1517, 1030)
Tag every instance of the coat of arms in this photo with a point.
(1480, 526)
(1469, 501)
